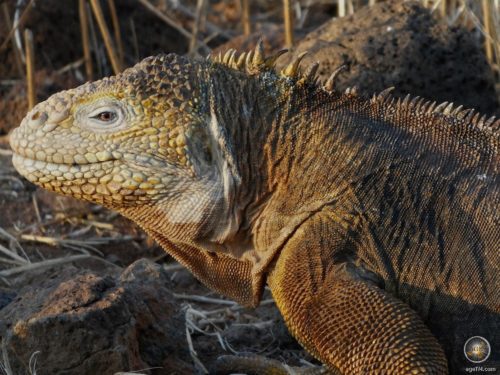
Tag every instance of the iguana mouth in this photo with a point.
(29, 165)
(32, 150)
(36, 152)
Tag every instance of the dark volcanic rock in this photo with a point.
(6, 297)
(401, 44)
(83, 323)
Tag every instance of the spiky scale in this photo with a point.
(249, 59)
(414, 103)
(481, 122)
(232, 60)
(422, 108)
(457, 110)
(310, 73)
(240, 63)
(227, 56)
(292, 69)
(448, 109)
(475, 119)
(384, 94)
(329, 85)
(259, 57)
(441, 107)
(495, 127)
(352, 91)
(431, 107)
(271, 60)
(469, 115)
(406, 100)
(489, 122)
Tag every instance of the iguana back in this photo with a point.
(414, 192)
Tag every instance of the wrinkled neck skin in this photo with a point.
(216, 213)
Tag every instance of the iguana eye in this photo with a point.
(103, 116)
(106, 116)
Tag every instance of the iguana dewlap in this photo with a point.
(375, 222)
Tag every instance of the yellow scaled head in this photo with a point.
(120, 141)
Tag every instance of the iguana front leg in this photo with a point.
(350, 324)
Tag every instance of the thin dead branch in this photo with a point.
(116, 28)
(108, 42)
(17, 54)
(487, 6)
(341, 5)
(17, 24)
(200, 7)
(165, 18)
(195, 298)
(443, 8)
(43, 264)
(169, 21)
(287, 15)
(245, 17)
(5, 357)
(134, 39)
(30, 68)
(173, 267)
(84, 29)
(37, 213)
(14, 244)
(16, 258)
(70, 66)
(211, 28)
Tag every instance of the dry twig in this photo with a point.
(200, 7)
(84, 29)
(487, 6)
(245, 17)
(165, 18)
(17, 54)
(288, 23)
(30, 68)
(116, 28)
(17, 24)
(43, 264)
(108, 42)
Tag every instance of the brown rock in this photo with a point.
(272, 36)
(401, 44)
(92, 324)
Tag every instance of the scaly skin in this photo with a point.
(375, 222)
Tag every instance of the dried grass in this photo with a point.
(5, 368)
(483, 16)
(213, 322)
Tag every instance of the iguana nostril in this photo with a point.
(37, 119)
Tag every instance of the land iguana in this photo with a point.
(374, 221)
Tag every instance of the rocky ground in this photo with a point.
(83, 290)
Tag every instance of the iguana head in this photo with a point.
(124, 141)
(159, 131)
(177, 146)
